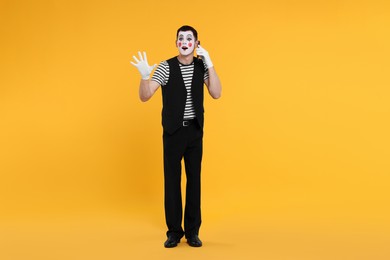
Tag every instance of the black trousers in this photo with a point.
(187, 143)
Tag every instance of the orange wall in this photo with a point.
(301, 131)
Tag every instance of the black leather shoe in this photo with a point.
(194, 241)
(171, 242)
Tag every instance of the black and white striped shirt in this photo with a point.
(161, 76)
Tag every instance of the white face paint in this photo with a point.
(185, 43)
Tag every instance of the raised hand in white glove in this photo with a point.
(205, 55)
(143, 66)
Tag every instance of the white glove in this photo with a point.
(143, 66)
(205, 55)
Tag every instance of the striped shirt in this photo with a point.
(161, 76)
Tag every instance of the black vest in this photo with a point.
(174, 95)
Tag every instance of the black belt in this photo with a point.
(188, 122)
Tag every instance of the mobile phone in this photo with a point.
(199, 57)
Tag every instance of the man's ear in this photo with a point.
(197, 43)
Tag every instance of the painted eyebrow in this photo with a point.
(182, 35)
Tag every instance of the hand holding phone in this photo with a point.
(205, 56)
(197, 52)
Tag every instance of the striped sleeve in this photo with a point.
(206, 71)
(161, 75)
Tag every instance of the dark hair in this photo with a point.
(185, 28)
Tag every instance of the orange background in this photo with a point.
(296, 152)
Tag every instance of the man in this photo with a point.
(182, 80)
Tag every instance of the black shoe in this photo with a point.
(171, 242)
(194, 241)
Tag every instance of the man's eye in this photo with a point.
(180, 39)
(189, 39)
